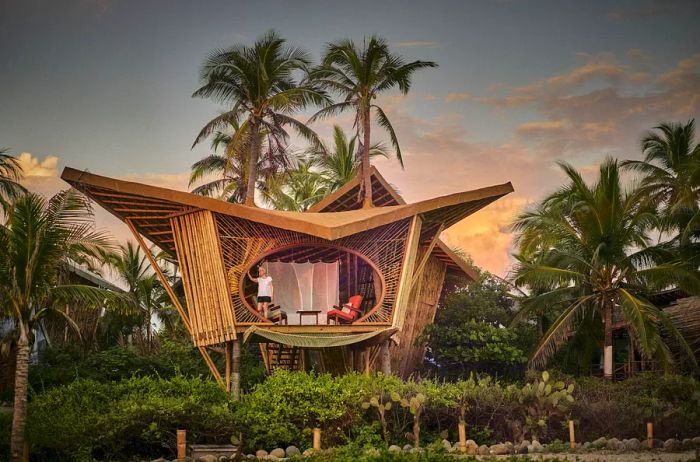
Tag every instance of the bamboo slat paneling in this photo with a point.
(204, 279)
(423, 301)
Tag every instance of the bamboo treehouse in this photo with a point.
(353, 287)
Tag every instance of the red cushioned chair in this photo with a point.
(347, 313)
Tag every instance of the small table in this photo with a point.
(302, 313)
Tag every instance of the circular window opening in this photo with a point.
(313, 284)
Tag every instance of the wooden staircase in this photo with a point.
(278, 356)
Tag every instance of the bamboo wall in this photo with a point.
(420, 311)
(204, 279)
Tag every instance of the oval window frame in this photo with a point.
(372, 264)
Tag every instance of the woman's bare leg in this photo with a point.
(265, 309)
(260, 308)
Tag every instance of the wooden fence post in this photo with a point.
(572, 435)
(317, 439)
(386, 358)
(462, 436)
(650, 435)
(181, 445)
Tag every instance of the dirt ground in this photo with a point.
(646, 456)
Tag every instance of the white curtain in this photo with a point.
(308, 286)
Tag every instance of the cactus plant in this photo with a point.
(377, 402)
(414, 401)
(542, 400)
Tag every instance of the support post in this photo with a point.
(317, 439)
(650, 435)
(572, 435)
(227, 374)
(367, 361)
(181, 445)
(462, 436)
(236, 376)
(386, 358)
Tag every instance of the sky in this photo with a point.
(106, 85)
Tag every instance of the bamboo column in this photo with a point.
(367, 361)
(181, 445)
(227, 376)
(386, 358)
(236, 360)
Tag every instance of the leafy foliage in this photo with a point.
(89, 419)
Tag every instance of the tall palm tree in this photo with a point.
(340, 163)
(264, 85)
(225, 175)
(359, 76)
(591, 246)
(40, 238)
(296, 190)
(671, 178)
(10, 175)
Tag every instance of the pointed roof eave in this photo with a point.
(330, 226)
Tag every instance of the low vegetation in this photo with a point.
(115, 420)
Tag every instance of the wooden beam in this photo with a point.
(173, 298)
(236, 364)
(409, 259)
(419, 269)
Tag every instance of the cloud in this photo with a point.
(415, 44)
(32, 166)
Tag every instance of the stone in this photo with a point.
(407, 447)
(521, 449)
(208, 458)
(632, 444)
(672, 445)
(696, 441)
(394, 448)
(600, 442)
(272, 458)
(279, 453)
(484, 450)
(614, 444)
(261, 454)
(587, 445)
(292, 451)
(447, 445)
(309, 452)
(224, 459)
(525, 443)
(535, 447)
(687, 444)
(499, 449)
(657, 443)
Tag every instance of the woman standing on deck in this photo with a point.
(265, 290)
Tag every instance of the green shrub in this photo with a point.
(88, 419)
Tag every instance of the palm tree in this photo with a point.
(39, 239)
(296, 190)
(225, 175)
(590, 247)
(263, 87)
(10, 175)
(671, 178)
(340, 163)
(358, 76)
(147, 294)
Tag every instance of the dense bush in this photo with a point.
(88, 419)
(672, 402)
(63, 365)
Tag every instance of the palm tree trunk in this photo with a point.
(608, 341)
(366, 174)
(253, 164)
(19, 416)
